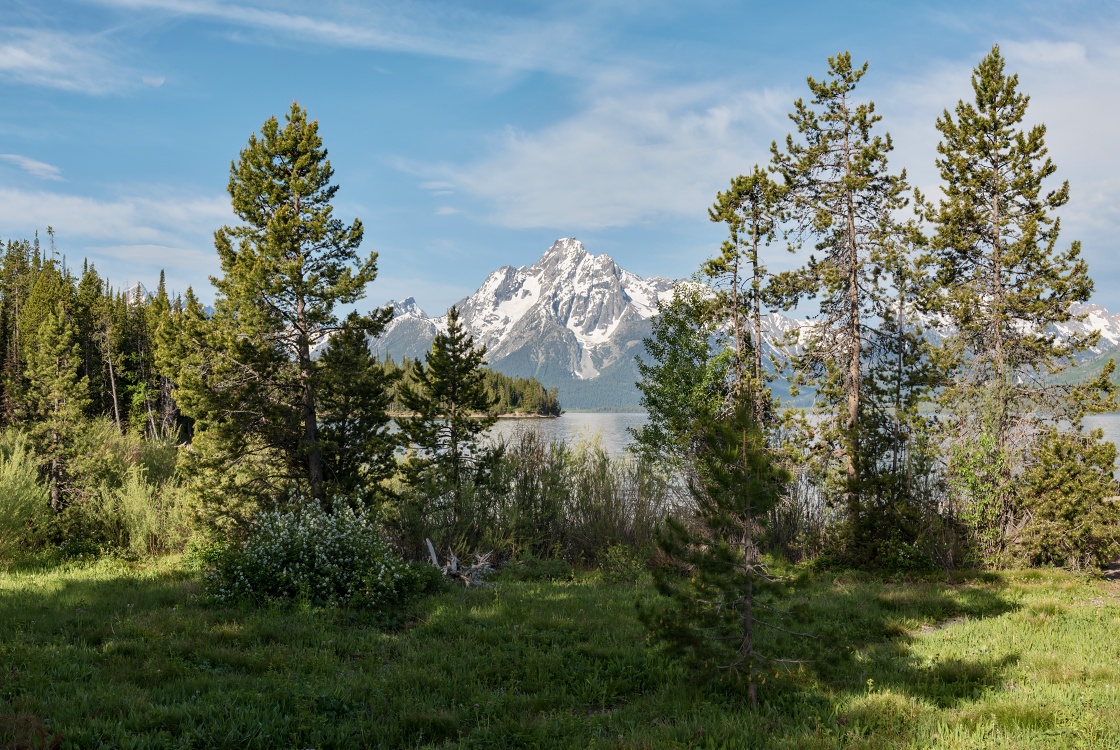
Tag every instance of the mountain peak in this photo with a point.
(565, 246)
(407, 306)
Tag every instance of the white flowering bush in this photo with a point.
(315, 557)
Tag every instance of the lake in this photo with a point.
(612, 428)
(572, 427)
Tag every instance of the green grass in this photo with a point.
(112, 654)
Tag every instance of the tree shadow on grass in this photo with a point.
(864, 654)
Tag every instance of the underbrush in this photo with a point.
(1004, 660)
(311, 556)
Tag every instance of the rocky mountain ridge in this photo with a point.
(576, 321)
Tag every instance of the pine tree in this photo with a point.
(751, 208)
(58, 395)
(841, 195)
(15, 289)
(449, 411)
(358, 447)
(1002, 282)
(286, 267)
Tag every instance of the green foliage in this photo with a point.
(842, 196)
(530, 567)
(539, 499)
(246, 375)
(449, 409)
(682, 384)
(58, 395)
(24, 500)
(358, 447)
(751, 208)
(1069, 497)
(1002, 281)
(622, 564)
(979, 471)
(714, 577)
(310, 556)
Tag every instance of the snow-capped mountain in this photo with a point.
(571, 319)
(1096, 319)
(576, 321)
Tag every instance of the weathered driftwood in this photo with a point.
(468, 575)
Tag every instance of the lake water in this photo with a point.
(572, 427)
(611, 429)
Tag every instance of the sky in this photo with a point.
(467, 136)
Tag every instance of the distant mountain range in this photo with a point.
(576, 321)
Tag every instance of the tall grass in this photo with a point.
(23, 498)
(545, 499)
(146, 518)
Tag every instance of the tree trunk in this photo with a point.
(756, 302)
(310, 418)
(113, 382)
(854, 341)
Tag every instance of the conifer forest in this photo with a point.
(226, 521)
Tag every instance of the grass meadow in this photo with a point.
(121, 654)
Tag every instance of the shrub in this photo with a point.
(145, 518)
(1066, 495)
(23, 499)
(529, 567)
(621, 564)
(310, 556)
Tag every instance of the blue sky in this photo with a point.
(467, 136)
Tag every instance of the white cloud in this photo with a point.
(55, 59)
(448, 211)
(33, 167)
(456, 32)
(153, 81)
(129, 238)
(628, 157)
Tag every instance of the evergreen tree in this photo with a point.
(842, 196)
(449, 409)
(15, 288)
(58, 396)
(253, 383)
(1068, 486)
(358, 448)
(702, 423)
(751, 208)
(1002, 282)
(713, 611)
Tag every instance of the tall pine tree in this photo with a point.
(1002, 281)
(251, 383)
(58, 395)
(841, 196)
(449, 409)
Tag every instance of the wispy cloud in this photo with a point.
(129, 237)
(626, 158)
(446, 31)
(33, 167)
(60, 60)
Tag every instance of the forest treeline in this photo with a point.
(511, 395)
